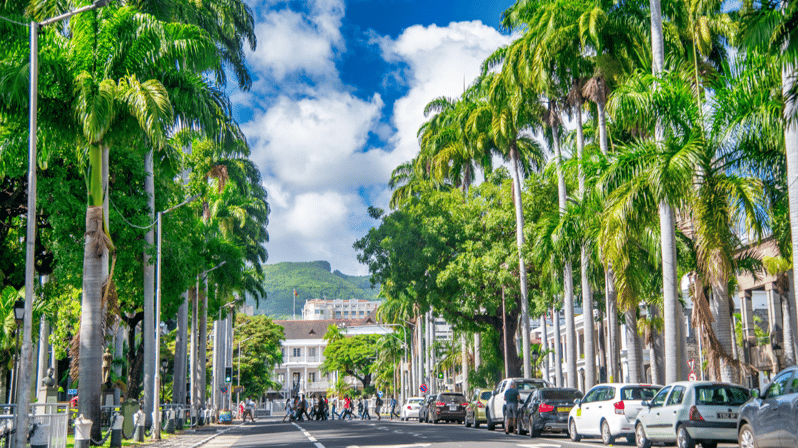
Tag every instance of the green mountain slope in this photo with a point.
(313, 280)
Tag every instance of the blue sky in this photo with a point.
(338, 96)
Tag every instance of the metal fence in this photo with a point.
(48, 425)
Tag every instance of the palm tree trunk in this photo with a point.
(179, 383)
(655, 355)
(602, 122)
(787, 316)
(202, 347)
(557, 349)
(788, 77)
(519, 238)
(613, 346)
(632, 345)
(544, 346)
(719, 304)
(149, 293)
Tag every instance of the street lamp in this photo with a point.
(404, 346)
(778, 350)
(156, 418)
(534, 357)
(23, 402)
(19, 316)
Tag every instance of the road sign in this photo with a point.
(379, 393)
(224, 389)
(72, 391)
(423, 388)
(238, 389)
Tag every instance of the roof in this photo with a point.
(315, 329)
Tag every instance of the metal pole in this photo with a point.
(156, 417)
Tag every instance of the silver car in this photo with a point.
(691, 412)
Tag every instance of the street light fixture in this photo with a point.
(156, 418)
(23, 402)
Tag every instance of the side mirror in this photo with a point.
(645, 403)
(493, 393)
(755, 392)
(577, 401)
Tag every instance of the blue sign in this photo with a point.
(379, 394)
(224, 389)
(423, 388)
(72, 391)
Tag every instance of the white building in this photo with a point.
(320, 309)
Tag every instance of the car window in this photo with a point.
(452, 398)
(638, 393)
(720, 395)
(561, 395)
(779, 386)
(676, 396)
(415, 400)
(485, 395)
(530, 385)
(592, 394)
(607, 394)
(659, 399)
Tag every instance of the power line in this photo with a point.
(128, 222)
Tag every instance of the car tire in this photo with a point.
(606, 435)
(572, 431)
(491, 425)
(476, 422)
(683, 439)
(746, 437)
(630, 440)
(709, 444)
(466, 422)
(533, 432)
(641, 441)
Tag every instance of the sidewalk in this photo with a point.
(194, 438)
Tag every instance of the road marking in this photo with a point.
(391, 446)
(540, 445)
(309, 436)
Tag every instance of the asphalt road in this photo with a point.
(384, 433)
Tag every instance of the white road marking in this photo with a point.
(391, 446)
(540, 445)
(309, 436)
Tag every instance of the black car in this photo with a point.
(447, 406)
(769, 418)
(546, 410)
(423, 411)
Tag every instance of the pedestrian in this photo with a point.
(241, 410)
(288, 410)
(393, 408)
(377, 406)
(365, 409)
(511, 408)
(249, 409)
(325, 408)
(347, 407)
(332, 407)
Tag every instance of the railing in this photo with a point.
(48, 424)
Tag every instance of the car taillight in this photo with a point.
(440, 403)
(619, 407)
(479, 404)
(408, 407)
(695, 415)
(545, 407)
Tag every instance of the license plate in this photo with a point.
(728, 415)
(453, 407)
(563, 409)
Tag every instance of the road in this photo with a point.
(384, 433)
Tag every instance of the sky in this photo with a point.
(338, 94)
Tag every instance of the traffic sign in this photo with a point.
(72, 391)
(224, 389)
(423, 388)
(379, 393)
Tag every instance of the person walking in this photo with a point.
(289, 409)
(249, 409)
(347, 408)
(393, 408)
(366, 415)
(332, 407)
(511, 409)
(377, 406)
(304, 407)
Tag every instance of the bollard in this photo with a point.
(82, 432)
(179, 420)
(200, 416)
(40, 437)
(170, 421)
(138, 422)
(116, 431)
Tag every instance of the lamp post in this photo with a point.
(19, 316)
(778, 350)
(534, 357)
(30, 237)
(156, 418)
(404, 346)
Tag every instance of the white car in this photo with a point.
(691, 412)
(410, 408)
(609, 411)
(494, 409)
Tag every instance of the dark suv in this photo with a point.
(449, 406)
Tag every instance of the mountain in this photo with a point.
(312, 280)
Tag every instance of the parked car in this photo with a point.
(494, 409)
(769, 418)
(547, 410)
(691, 412)
(475, 412)
(446, 406)
(423, 411)
(609, 411)
(410, 408)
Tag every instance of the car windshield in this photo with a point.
(452, 398)
(638, 392)
(564, 395)
(415, 400)
(721, 395)
(485, 395)
(530, 385)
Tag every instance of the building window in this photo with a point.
(311, 377)
(281, 378)
(297, 352)
(346, 313)
(361, 313)
(312, 351)
(338, 314)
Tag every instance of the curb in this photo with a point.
(211, 437)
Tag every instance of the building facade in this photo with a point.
(320, 309)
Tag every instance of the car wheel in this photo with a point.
(476, 422)
(709, 444)
(746, 437)
(640, 437)
(466, 422)
(533, 432)
(572, 431)
(630, 440)
(491, 425)
(683, 439)
(606, 435)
